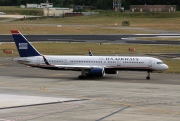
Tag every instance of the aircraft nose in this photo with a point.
(166, 66)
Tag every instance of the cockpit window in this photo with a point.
(160, 63)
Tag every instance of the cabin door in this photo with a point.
(65, 62)
(150, 63)
(119, 62)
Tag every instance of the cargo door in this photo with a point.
(38, 61)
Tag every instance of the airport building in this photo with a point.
(66, 12)
(153, 8)
(56, 11)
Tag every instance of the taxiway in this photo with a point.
(42, 95)
(118, 39)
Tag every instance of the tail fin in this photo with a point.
(24, 47)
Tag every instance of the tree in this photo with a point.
(100, 4)
(104, 4)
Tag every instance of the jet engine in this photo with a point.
(96, 72)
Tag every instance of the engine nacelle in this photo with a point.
(111, 72)
(96, 72)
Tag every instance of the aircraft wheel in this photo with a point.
(147, 77)
(81, 77)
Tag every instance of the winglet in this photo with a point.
(24, 47)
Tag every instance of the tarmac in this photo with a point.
(107, 39)
(28, 93)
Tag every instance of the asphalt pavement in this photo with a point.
(46, 95)
(131, 39)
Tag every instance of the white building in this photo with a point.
(41, 5)
(31, 5)
(46, 5)
(56, 11)
(22, 6)
(2, 13)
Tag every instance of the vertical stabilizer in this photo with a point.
(24, 48)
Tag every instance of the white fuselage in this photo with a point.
(107, 62)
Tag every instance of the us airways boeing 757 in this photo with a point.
(88, 65)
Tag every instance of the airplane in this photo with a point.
(96, 66)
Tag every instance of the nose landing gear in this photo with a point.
(148, 75)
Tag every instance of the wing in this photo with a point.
(77, 66)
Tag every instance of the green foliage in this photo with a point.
(112, 13)
(104, 4)
(79, 10)
(100, 4)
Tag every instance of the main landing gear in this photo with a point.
(82, 76)
(148, 75)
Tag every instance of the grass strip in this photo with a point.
(55, 48)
